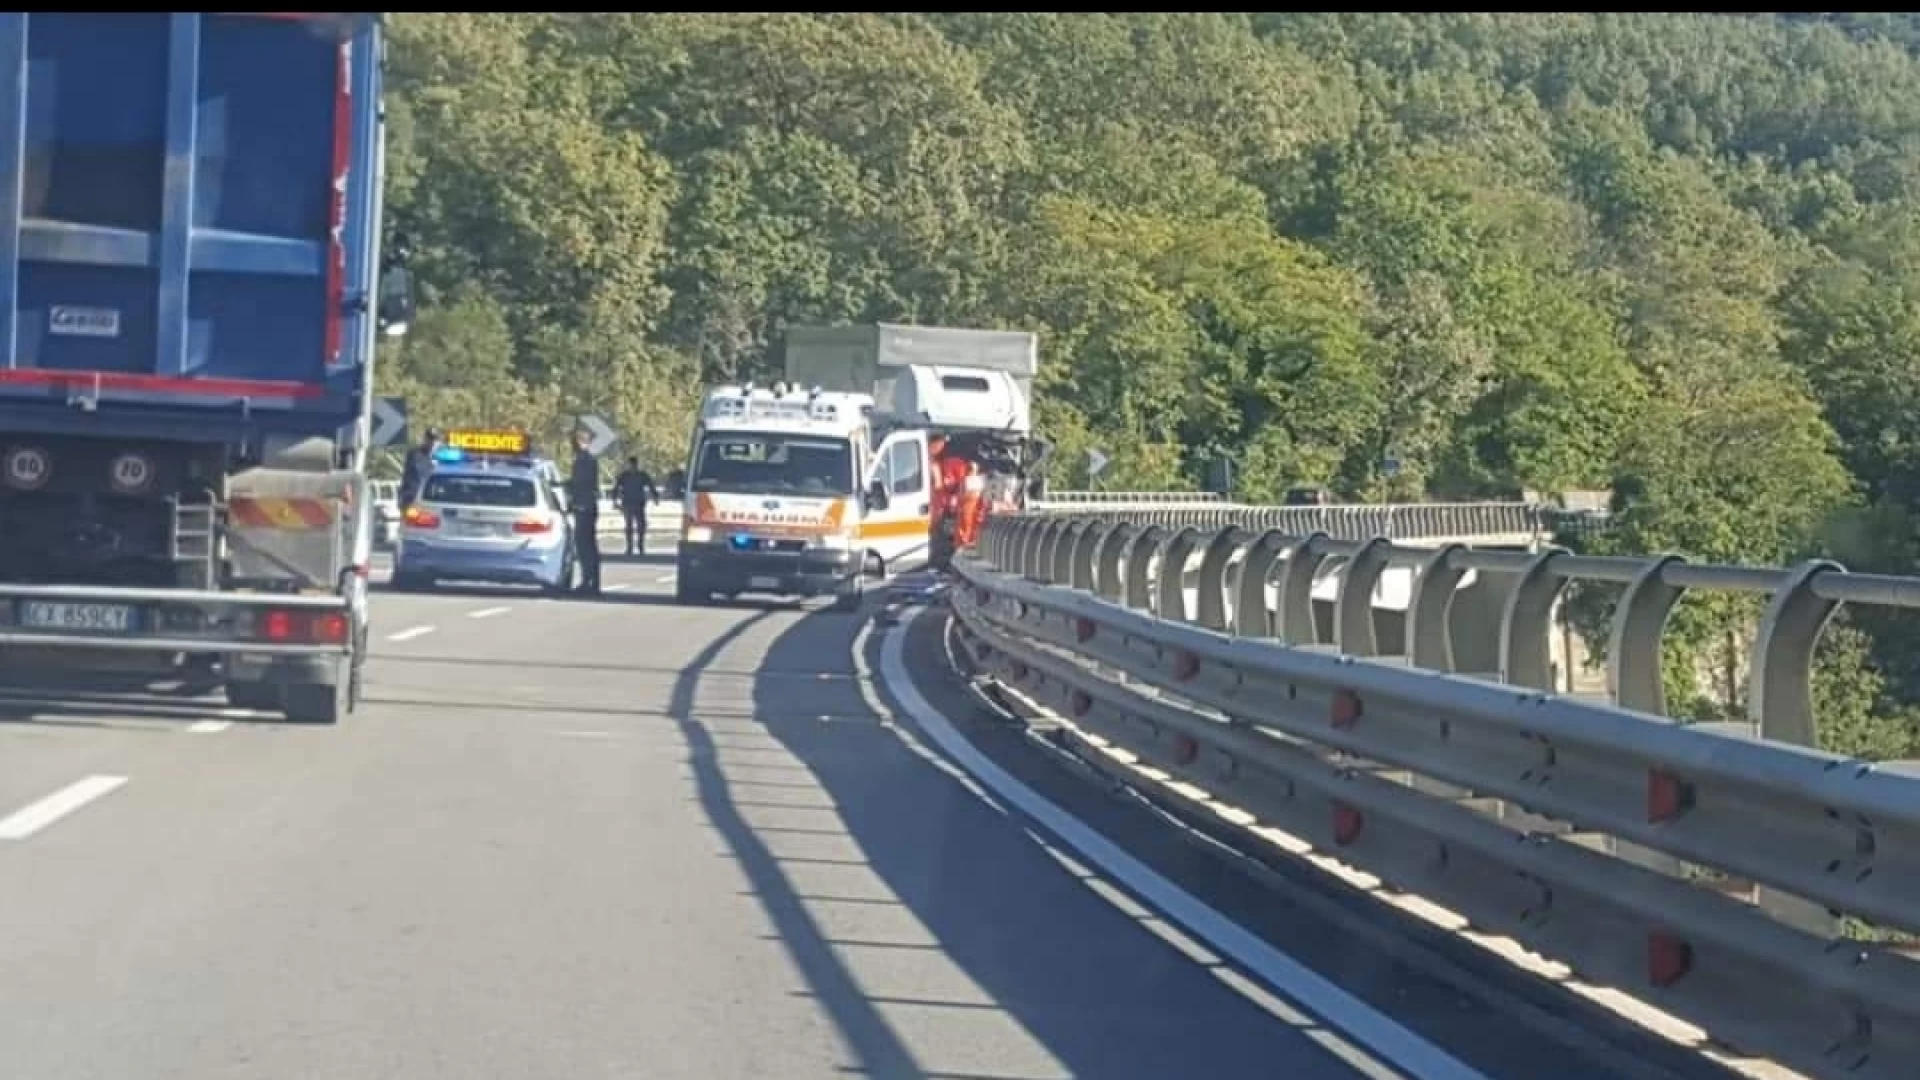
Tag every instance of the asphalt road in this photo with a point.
(569, 839)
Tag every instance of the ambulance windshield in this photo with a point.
(764, 463)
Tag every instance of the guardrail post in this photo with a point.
(1060, 554)
(1429, 634)
(1146, 543)
(1252, 615)
(993, 538)
(1296, 624)
(1109, 579)
(1040, 550)
(1172, 590)
(1780, 677)
(1353, 631)
(1211, 611)
(1026, 561)
(1085, 545)
(1526, 626)
(1634, 679)
(1634, 658)
(1526, 651)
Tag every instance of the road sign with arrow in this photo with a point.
(1096, 463)
(600, 433)
(389, 421)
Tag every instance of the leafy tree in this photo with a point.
(1674, 254)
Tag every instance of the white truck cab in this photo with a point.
(794, 493)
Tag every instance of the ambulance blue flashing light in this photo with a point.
(448, 455)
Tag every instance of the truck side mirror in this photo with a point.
(396, 302)
(877, 498)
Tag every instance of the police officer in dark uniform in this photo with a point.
(631, 490)
(583, 491)
(413, 473)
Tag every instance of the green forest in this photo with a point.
(1677, 256)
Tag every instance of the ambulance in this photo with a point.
(798, 493)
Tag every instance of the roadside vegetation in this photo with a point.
(1432, 256)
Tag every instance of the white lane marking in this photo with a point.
(410, 634)
(617, 588)
(35, 816)
(208, 727)
(664, 578)
(488, 612)
(1367, 1026)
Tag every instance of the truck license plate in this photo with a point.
(763, 583)
(45, 615)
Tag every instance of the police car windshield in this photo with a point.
(768, 464)
(468, 490)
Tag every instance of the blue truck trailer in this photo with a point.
(191, 286)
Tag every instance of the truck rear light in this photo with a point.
(318, 627)
(533, 525)
(416, 518)
(328, 628)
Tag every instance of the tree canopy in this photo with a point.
(1673, 255)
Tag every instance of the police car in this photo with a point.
(489, 511)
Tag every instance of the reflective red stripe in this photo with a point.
(161, 384)
(337, 223)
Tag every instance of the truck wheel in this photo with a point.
(312, 703)
(255, 696)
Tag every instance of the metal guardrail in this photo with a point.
(1099, 499)
(1404, 521)
(1569, 823)
(1202, 510)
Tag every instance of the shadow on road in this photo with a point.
(77, 696)
(1017, 960)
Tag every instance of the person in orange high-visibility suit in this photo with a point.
(972, 509)
(952, 470)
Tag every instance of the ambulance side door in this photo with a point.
(900, 531)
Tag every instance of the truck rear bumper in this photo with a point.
(717, 568)
(173, 621)
(513, 567)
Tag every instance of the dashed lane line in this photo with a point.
(41, 813)
(488, 612)
(410, 633)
